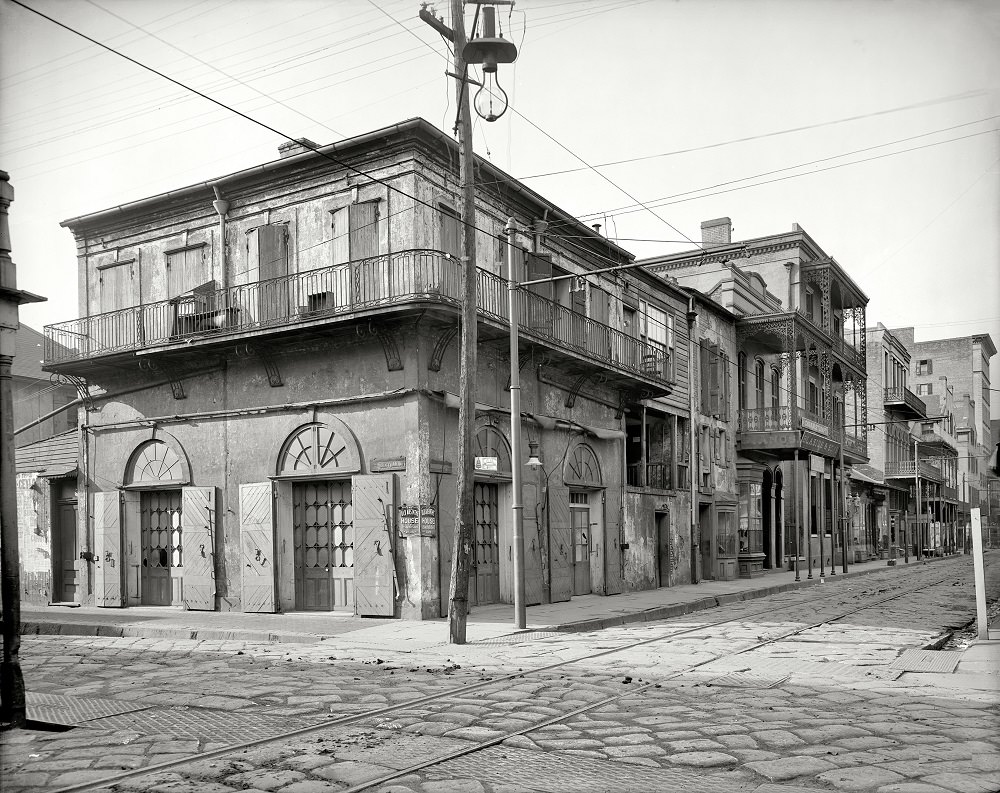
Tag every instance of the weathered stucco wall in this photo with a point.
(34, 532)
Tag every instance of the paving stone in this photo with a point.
(859, 778)
(475, 733)
(352, 772)
(520, 742)
(737, 741)
(912, 787)
(119, 762)
(307, 762)
(965, 783)
(986, 762)
(635, 751)
(646, 761)
(264, 779)
(678, 735)
(750, 755)
(786, 768)
(781, 739)
(865, 742)
(454, 786)
(312, 786)
(702, 759)
(696, 745)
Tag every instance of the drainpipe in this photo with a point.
(222, 207)
(692, 318)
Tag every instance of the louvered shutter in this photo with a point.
(560, 544)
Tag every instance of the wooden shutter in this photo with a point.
(715, 392)
(257, 546)
(364, 230)
(448, 226)
(341, 236)
(374, 562)
(614, 582)
(132, 531)
(107, 550)
(198, 522)
(704, 377)
(273, 292)
(560, 544)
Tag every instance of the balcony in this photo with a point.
(784, 429)
(935, 440)
(904, 469)
(902, 400)
(657, 475)
(949, 493)
(404, 282)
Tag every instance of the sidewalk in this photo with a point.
(582, 613)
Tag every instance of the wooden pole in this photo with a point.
(458, 610)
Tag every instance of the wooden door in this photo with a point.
(65, 554)
(580, 522)
(107, 550)
(374, 563)
(487, 543)
(162, 548)
(272, 259)
(560, 544)
(663, 547)
(323, 537)
(198, 508)
(257, 545)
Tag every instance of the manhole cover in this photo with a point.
(59, 709)
(927, 661)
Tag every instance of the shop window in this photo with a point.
(726, 534)
(751, 536)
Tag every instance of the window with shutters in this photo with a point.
(186, 269)
(656, 327)
(116, 286)
(775, 388)
(355, 232)
(925, 366)
(449, 234)
(741, 380)
(758, 382)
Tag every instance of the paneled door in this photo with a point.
(487, 545)
(580, 521)
(323, 535)
(162, 548)
(65, 554)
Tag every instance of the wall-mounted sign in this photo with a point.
(382, 464)
(817, 464)
(814, 443)
(418, 520)
(813, 426)
(487, 464)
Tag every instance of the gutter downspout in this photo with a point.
(222, 207)
(692, 318)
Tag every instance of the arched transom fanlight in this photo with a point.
(490, 442)
(582, 467)
(317, 449)
(155, 462)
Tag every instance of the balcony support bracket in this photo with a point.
(443, 342)
(82, 390)
(263, 354)
(574, 390)
(173, 375)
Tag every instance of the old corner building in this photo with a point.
(270, 367)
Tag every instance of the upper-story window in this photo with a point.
(656, 327)
(925, 366)
(186, 269)
(116, 285)
(924, 389)
(714, 380)
(758, 383)
(775, 388)
(741, 380)
(448, 229)
(355, 232)
(810, 303)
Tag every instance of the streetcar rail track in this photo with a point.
(465, 688)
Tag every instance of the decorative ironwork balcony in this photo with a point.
(855, 445)
(391, 282)
(766, 419)
(903, 469)
(949, 492)
(903, 399)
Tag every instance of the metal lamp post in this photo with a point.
(517, 508)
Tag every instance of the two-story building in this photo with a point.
(273, 365)
(800, 383)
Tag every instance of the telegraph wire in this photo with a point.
(775, 133)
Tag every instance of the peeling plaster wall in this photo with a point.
(34, 531)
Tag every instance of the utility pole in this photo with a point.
(461, 562)
(12, 713)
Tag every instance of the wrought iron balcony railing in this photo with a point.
(657, 475)
(340, 291)
(897, 395)
(905, 468)
(770, 419)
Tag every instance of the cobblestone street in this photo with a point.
(716, 709)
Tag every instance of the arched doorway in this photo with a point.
(492, 452)
(582, 474)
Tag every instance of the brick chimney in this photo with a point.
(298, 146)
(716, 232)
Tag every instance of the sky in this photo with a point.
(873, 124)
